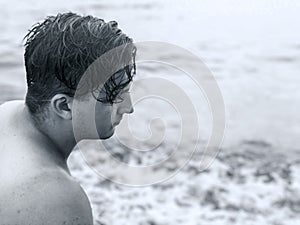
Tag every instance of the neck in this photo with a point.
(54, 139)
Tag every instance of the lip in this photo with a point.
(116, 123)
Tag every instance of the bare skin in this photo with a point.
(36, 186)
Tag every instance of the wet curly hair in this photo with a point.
(59, 50)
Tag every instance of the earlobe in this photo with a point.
(62, 104)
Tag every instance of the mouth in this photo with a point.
(116, 123)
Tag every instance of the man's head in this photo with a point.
(59, 51)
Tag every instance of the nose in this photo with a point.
(126, 106)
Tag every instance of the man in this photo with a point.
(37, 136)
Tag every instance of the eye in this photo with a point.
(121, 96)
(119, 99)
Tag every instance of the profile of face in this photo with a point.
(101, 110)
(90, 118)
(108, 116)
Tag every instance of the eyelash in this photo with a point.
(119, 97)
(125, 92)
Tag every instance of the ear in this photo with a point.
(61, 105)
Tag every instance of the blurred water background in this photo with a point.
(251, 47)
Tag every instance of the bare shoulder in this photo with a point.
(46, 198)
(8, 111)
(11, 104)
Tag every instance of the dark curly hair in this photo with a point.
(59, 50)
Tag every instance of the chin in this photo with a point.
(107, 134)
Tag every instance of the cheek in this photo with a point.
(103, 116)
(114, 112)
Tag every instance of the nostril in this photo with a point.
(126, 110)
(129, 110)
